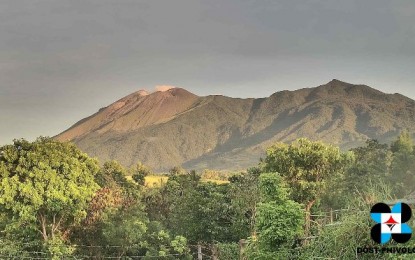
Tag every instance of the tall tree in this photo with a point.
(115, 198)
(371, 165)
(244, 196)
(306, 166)
(402, 175)
(200, 211)
(279, 220)
(139, 172)
(114, 176)
(47, 185)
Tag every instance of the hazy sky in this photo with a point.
(61, 61)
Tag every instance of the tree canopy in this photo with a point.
(307, 167)
(46, 185)
(57, 202)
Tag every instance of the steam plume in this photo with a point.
(163, 88)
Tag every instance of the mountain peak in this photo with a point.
(142, 92)
(163, 88)
(134, 111)
(175, 127)
(343, 89)
(336, 81)
(175, 91)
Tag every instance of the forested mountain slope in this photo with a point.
(176, 127)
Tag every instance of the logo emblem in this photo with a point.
(391, 223)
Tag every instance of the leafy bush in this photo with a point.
(228, 251)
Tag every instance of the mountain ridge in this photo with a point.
(176, 127)
(125, 106)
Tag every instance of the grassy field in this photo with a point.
(158, 180)
(215, 181)
(155, 180)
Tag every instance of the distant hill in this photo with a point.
(176, 127)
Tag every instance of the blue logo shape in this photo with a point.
(391, 223)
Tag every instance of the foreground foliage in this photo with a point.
(45, 189)
(56, 202)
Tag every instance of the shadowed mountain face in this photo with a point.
(176, 127)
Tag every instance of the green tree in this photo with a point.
(279, 220)
(339, 241)
(228, 251)
(244, 197)
(371, 165)
(159, 242)
(114, 176)
(139, 172)
(125, 230)
(402, 173)
(202, 215)
(117, 198)
(307, 168)
(403, 143)
(157, 203)
(200, 211)
(45, 186)
(177, 170)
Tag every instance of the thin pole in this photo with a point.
(199, 252)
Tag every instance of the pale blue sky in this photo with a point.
(61, 61)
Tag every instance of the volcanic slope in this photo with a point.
(176, 127)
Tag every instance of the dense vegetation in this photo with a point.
(303, 200)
